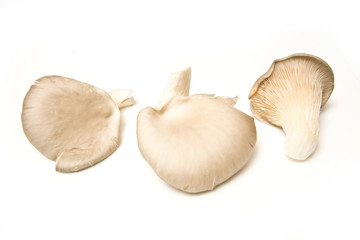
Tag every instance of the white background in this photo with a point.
(137, 45)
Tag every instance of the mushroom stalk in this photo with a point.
(300, 121)
(302, 133)
(177, 85)
(121, 98)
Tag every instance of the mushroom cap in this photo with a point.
(71, 122)
(286, 76)
(196, 142)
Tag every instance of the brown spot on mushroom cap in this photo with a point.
(71, 122)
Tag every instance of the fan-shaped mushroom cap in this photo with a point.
(290, 95)
(71, 122)
(194, 142)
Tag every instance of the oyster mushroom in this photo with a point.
(194, 142)
(290, 95)
(71, 122)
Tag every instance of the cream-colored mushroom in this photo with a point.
(290, 95)
(194, 142)
(71, 122)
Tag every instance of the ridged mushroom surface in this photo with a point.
(290, 95)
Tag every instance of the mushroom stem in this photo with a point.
(302, 140)
(121, 97)
(177, 85)
(302, 132)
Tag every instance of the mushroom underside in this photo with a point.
(290, 95)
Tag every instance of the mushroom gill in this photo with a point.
(290, 95)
